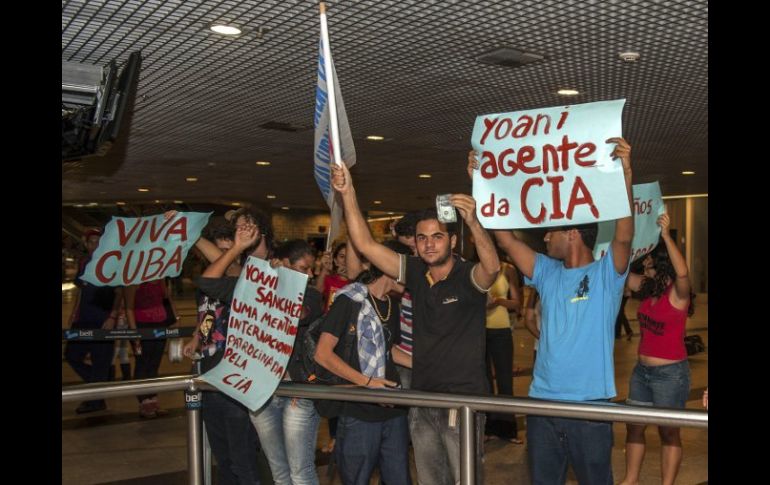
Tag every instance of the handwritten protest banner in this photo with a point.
(648, 205)
(138, 249)
(264, 313)
(549, 167)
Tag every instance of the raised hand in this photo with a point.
(341, 179)
(664, 222)
(473, 163)
(622, 150)
(466, 205)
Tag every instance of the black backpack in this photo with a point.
(303, 366)
(694, 344)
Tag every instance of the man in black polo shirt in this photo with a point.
(449, 303)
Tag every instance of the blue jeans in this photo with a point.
(666, 386)
(553, 443)
(437, 446)
(287, 428)
(363, 445)
(233, 440)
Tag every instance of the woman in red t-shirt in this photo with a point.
(333, 275)
(661, 377)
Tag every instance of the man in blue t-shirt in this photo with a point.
(580, 298)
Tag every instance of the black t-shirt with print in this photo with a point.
(342, 318)
(449, 330)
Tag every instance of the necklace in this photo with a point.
(377, 310)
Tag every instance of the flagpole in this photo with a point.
(333, 128)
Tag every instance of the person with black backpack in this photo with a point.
(367, 314)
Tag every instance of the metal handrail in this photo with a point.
(468, 404)
(578, 410)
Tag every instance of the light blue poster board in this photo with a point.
(134, 250)
(648, 205)
(264, 314)
(549, 167)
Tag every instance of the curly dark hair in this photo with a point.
(665, 275)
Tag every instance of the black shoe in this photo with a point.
(91, 406)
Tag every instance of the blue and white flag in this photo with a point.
(330, 122)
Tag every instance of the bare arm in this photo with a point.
(624, 229)
(167, 294)
(130, 295)
(353, 261)
(385, 259)
(530, 321)
(681, 294)
(634, 281)
(244, 237)
(208, 249)
(400, 357)
(484, 273)
(522, 255)
(324, 355)
(117, 301)
(326, 270)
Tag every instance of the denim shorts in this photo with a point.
(665, 386)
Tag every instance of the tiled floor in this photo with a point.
(117, 447)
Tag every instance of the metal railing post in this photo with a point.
(467, 447)
(206, 458)
(192, 398)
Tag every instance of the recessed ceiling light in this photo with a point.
(378, 202)
(178, 202)
(92, 204)
(263, 163)
(688, 172)
(425, 175)
(212, 164)
(224, 29)
(78, 205)
(629, 56)
(192, 179)
(285, 208)
(120, 203)
(391, 213)
(270, 196)
(143, 190)
(375, 137)
(236, 204)
(567, 92)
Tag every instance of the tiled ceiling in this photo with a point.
(407, 70)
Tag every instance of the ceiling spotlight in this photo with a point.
(688, 172)
(157, 201)
(224, 29)
(192, 179)
(178, 202)
(424, 175)
(378, 202)
(567, 92)
(629, 56)
(285, 208)
(120, 203)
(263, 163)
(236, 204)
(375, 137)
(143, 190)
(270, 196)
